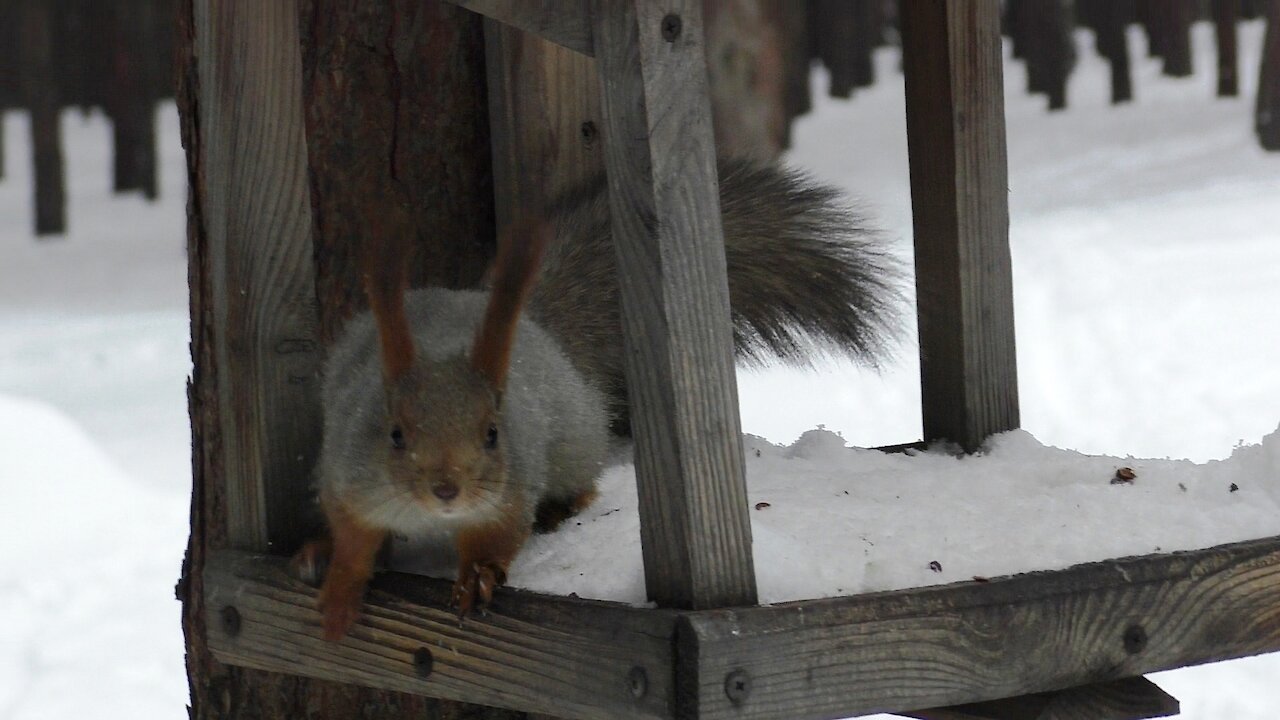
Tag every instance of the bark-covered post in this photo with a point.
(267, 290)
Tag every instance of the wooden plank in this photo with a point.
(544, 119)
(563, 22)
(257, 217)
(664, 195)
(572, 658)
(979, 641)
(1226, 13)
(1127, 699)
(40, 94)
(959, 187)
(1267, 111)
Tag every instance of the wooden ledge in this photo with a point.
(1058, 642)
(977, 641)
(561, 656)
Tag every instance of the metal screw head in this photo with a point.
(737, 686)
(230, 620)
(423, 662)
(638, 681)
(671, 27)
(1135, 639)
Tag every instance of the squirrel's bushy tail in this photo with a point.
(806, 275)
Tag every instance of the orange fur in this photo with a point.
(484, 554)
(519, 252)
(354, 548)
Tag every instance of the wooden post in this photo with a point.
(1267, 114)
(1177, 46)
(40, 92)
(659, 149)
(959, 187)
(544, 119)
(1226, 13)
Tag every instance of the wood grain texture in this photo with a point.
(972, 642)
(572, 658)
(564, 22)
(1127, 699)
(257, 221)
(959, 187)
(664, 195)
(544, 119)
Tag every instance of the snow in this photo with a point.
(1146, 251)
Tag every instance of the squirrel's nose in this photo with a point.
(444, 490)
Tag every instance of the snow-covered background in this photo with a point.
(1146, 250)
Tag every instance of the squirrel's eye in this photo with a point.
(491, 439)
(397, 438)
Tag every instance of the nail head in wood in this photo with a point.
(589, 133)
(423, 662)
(230, 620)
(638, 681)
(1135, 639)
(737, 686)
(671, 27)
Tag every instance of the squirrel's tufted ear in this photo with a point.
(520, 249)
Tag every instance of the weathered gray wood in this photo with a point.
(1127, 699)
(257, 216)
(544, 119)
(563, 22)
(664, 195)
(959, 186)
(972, 642)
(571, 658)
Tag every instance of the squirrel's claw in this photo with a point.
(311, 562)
(338, 612)
(474, 588)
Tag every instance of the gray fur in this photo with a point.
(553, 425)
(805, 274)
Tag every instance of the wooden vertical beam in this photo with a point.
(258, 227)
(1267, 112)
(1226, 13)
(40, 93)
(660, 153)
(544, 119)
(959, 187)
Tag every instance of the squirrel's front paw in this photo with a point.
(339, 609)
(311, 562)
(474, 588)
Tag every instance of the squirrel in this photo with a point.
(480, 416)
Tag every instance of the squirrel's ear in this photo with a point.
(385, 282)
(520, 249)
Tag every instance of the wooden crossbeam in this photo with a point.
(978, 641)
(561, 656)
(1060, 645)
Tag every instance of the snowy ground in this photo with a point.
(1146, 249)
